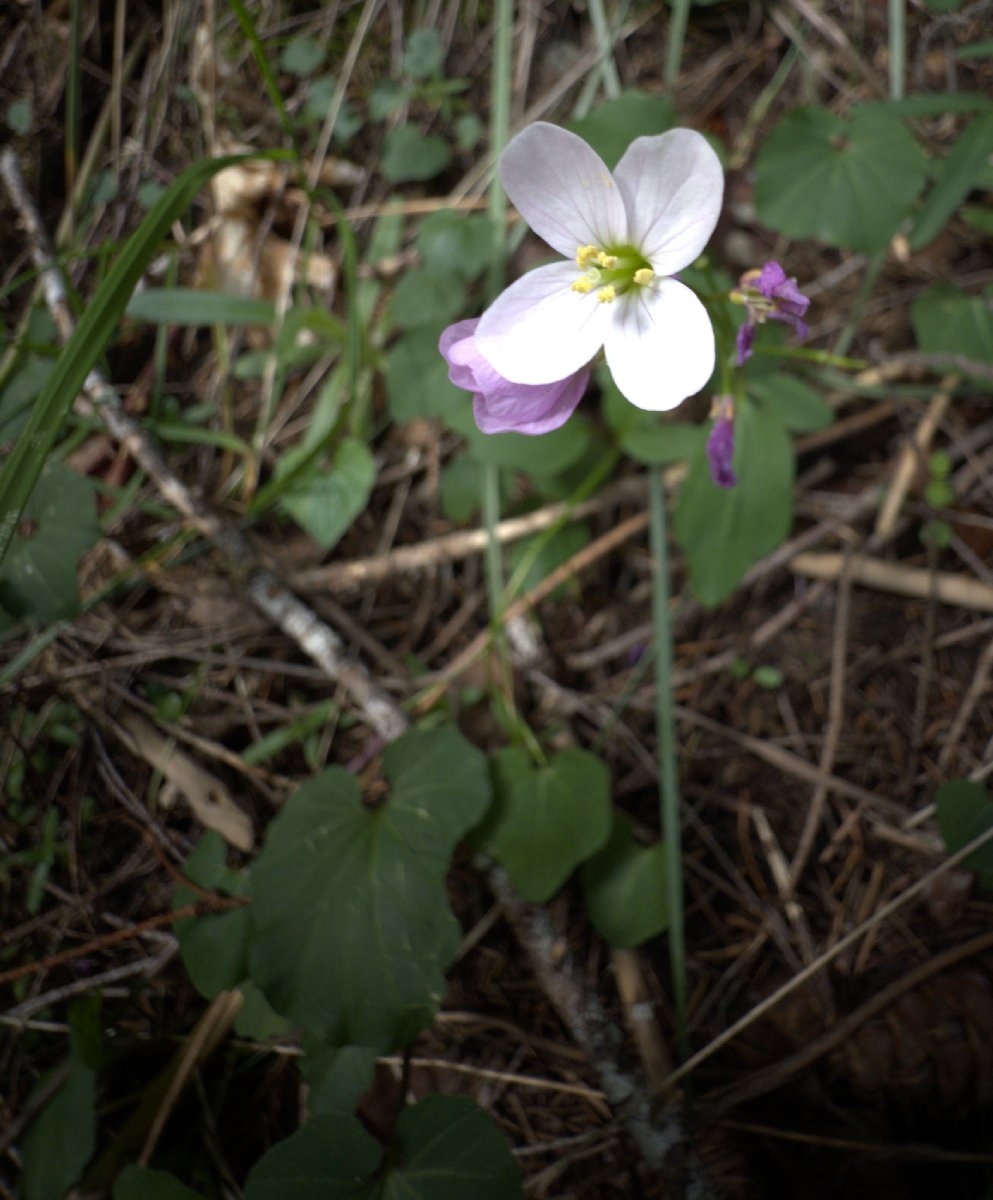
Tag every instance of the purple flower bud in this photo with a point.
(720, 444)
(499, 405)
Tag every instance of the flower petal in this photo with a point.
(562, 188)
(660, 345)
(530, 409)
(539, 330)
(458, 349)
(672, 186)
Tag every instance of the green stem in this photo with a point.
(666, 734)
(898, 47)
(503, 24)
(677, 35)
(503, 21)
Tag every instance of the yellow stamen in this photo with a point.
(586, 256)
(582, 285)
(607, 261)
(606, 294)
(644, 275)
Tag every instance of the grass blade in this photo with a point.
(94, 331)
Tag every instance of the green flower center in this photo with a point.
(611, 271)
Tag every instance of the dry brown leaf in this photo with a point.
(208, 798)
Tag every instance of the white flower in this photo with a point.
(625, 235)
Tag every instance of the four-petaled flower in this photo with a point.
(500, 406)
(624, 235)
(768, 294)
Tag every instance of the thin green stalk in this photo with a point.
(677, 35)
(873, 268)
(898, 47)
(665, 730)
(503, 22)
(605, 41)
(73, 106)
(491, 518)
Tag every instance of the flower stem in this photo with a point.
(677, 35)
(898, 47)
(503, 23)
(665, 728)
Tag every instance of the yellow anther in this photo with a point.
(583, 285)
(586, 256)
(606, 294)
(607, 261)
(644, 275)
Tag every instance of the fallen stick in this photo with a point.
(917, 582)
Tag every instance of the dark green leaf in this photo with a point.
(38, 576)
(301, 56)
(325, 501)
(546, 454)
(191, 306)
(417, 382)
(331, 1158)
(624, 884)
(409, 155)
(612, 126)
(336, 1077)
(452, 241)
(351, 925)
(424, 54)
(794, 403)
(948, 322)
(448, 1149)
(965, 810)
(934, 104)
(445, 1149)
(969, 154)
(62, 1138)
(546, 820)
(214, 946)
(142, 1183)
(427, 296)
(849, 183)
(724, 530)
(540, 555)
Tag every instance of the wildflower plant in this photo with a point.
(624, 237)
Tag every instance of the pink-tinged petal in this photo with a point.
(539, 330)
(458, 349)
(660, 346)
(562, 188)
(673, 186)
(535, 409)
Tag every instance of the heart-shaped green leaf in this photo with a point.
(624, 885)
(140, 1183)
(445, 1148)
(59, 522)
(849, 183)
(351, 926)
(948, 322)
(214, 946)
(325, 501)
(546, 820)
